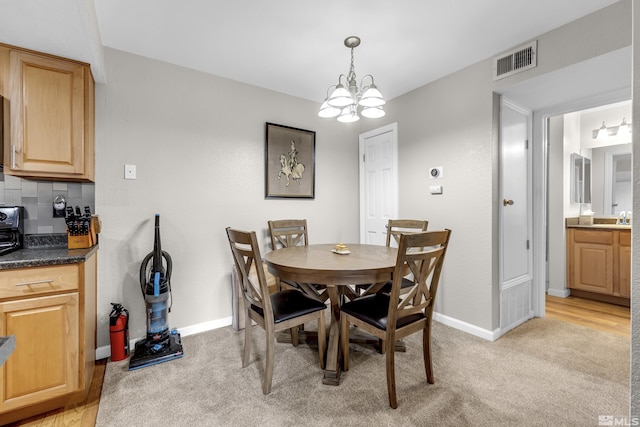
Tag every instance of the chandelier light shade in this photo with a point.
(346, 98)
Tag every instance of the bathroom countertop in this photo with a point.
(602, 226)
(598, 223)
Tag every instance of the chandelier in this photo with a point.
(344, 99)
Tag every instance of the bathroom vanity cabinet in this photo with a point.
(599, 262)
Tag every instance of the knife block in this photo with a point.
(88, 240)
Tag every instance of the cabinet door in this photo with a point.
(45, 362)
(593, 267)
(47, 117)
(624, 268)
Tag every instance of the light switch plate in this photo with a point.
(129, 171)
(435, 189)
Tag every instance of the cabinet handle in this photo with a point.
(13, 156)
(37, 282)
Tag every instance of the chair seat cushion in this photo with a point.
(290, 303)
(373, 309)
(406, 283)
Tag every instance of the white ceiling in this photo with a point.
(290, 46)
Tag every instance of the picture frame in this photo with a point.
(290, 162)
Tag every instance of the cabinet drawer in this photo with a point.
(592, 236)
(26, 282)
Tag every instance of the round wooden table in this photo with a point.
(365, 264)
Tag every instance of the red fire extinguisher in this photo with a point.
(119, 332)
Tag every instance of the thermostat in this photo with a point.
(435, 172)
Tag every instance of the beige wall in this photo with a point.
(198, 143)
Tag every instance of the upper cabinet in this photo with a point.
(52, 116)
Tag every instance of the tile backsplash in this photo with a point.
(37, 199)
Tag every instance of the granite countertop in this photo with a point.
(7, 345)
(41, 250)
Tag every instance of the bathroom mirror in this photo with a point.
(580, 179)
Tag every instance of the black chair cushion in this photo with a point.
(290, 303)
(406, 283)
(374, 309)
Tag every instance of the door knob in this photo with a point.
(506, 202)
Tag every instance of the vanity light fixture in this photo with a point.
(622, 130)
(343, 99)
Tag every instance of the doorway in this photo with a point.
(598, 81)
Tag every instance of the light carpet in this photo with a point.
(545, 372)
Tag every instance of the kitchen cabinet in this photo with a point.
(599, 262)
(52, 116)
(51, 311)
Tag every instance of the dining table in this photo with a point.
(340, 270)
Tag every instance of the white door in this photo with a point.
(378, 182)
(515, 216)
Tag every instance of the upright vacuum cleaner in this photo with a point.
(160, 344)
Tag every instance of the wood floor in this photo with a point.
(605, 317)
(81, 414)
(611, 318)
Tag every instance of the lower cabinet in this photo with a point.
(44, 363)
(599, 262)
(52, 313)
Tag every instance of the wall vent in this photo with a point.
(515, 61)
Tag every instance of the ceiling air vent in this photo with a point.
(514, 61)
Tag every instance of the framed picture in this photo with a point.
(290, 156)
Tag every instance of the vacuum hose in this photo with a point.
(155, 286)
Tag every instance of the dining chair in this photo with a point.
(285, 233)
(274, 312)
(395, 228)
(395, 315)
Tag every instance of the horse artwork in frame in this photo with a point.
(290, 156)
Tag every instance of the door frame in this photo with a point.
(393, 128)
(540, 169)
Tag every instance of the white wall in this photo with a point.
(557, 196)
(635, 248)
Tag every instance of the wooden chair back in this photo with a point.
(246, 255)
(423, 255)
(288, 232)
(396, 227)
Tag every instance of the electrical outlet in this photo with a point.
(129, 171)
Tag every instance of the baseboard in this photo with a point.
(467, 327)
(105, 351)
(560, 293)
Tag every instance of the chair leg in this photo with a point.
(426, 351)
(268, 368)
(322, 339)
(294, 336)
(344, 341)
(391, 372)
(247, 339)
